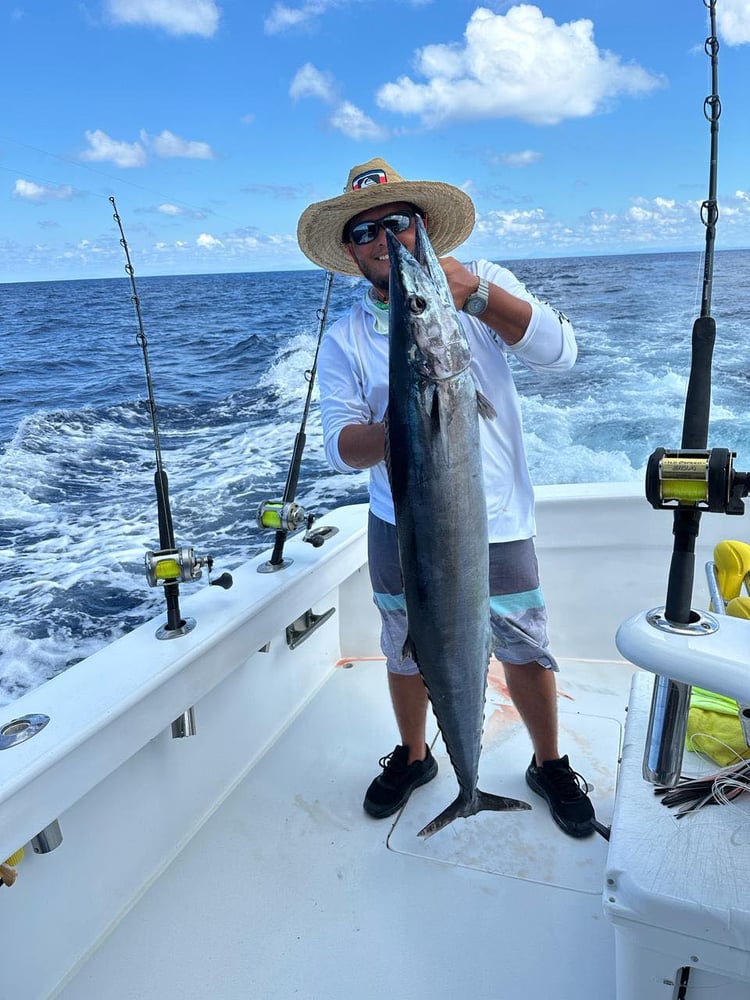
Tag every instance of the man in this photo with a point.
(346, 234)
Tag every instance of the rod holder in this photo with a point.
(670, 705)
(667, 728)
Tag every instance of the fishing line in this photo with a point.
(170, 564)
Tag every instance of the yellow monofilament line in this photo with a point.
(686, 490)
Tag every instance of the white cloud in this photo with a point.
(520, 64)
(282, 17)
(168, 145)
(176, 17)
(350, 120)
(29, 191)
(285, 17)
(523, 158)
(238, 244)
(208, 241)
(733, 21)
(311, 82)
(660, 213)
(345, 117)
(180, 211)
(102, 148)
(530, 223)
(660, 223)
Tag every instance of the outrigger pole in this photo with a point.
(287, 516)
(170, 564)
(690, 481)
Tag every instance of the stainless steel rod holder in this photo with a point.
(670, 704)
(667, 729)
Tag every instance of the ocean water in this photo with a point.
(230, 357)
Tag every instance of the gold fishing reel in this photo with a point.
(705, 480)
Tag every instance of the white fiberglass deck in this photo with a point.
(290, 890)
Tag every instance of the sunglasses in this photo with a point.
(365, 232)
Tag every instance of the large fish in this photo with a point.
(434, 459)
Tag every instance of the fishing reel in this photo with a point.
(289, 517)
(705, 480)
(181, 565)
(283, 516)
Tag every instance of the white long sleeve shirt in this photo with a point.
(353, 374)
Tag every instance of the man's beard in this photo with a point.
(379, 281)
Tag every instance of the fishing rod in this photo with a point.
(287, 516)
(171, 564)
(690, 480)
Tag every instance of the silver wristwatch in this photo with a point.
(478, 300)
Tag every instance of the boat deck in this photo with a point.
(290, 890)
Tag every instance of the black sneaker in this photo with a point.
(565, 792)
(390, 790)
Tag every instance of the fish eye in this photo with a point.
(417, 304)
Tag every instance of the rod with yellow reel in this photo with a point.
(690, 481)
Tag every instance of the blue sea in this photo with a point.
(230, 357)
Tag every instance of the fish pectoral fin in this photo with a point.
(486, 410)
(480, 802)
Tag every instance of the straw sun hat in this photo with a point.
(320, 229)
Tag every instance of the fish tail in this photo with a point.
(499, 803)
(479, 802)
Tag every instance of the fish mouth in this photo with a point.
(410, 269)
(422, 310)
(423, 252)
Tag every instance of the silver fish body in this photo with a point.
(434, 458)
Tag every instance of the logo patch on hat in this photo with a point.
(369, 177)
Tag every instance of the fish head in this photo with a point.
(423, 314)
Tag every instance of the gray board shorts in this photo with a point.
(518, 615)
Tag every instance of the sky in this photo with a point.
(577, 126)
